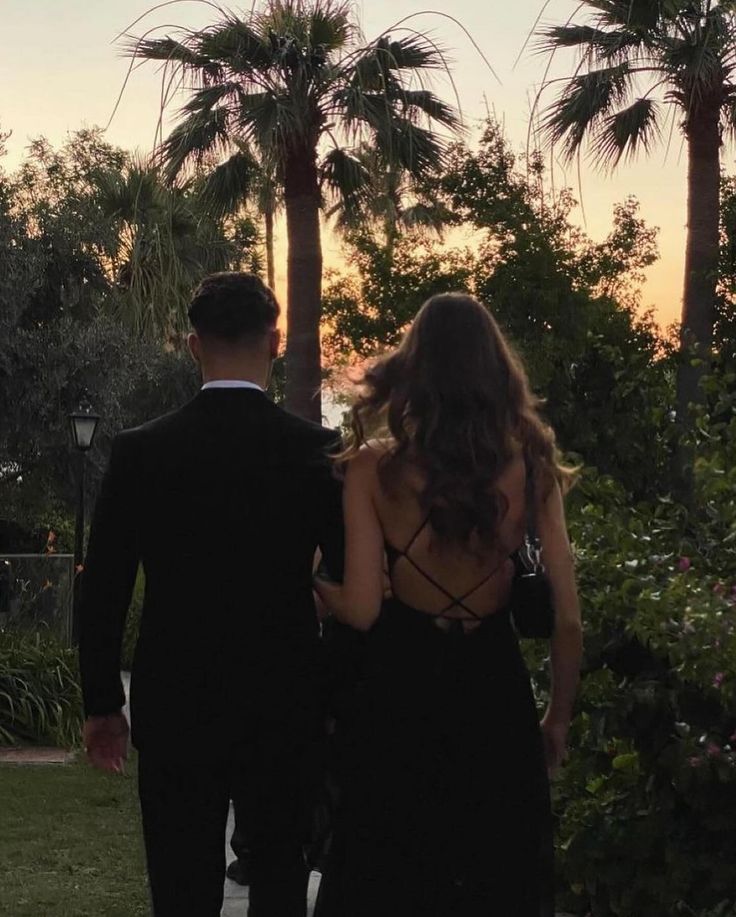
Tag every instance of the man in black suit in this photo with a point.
(224, 502)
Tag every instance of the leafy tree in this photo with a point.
(54, 194)
(293, 86)
(58, 341)
(115, 235)
(637, 58)
(369, 309)
(570, 305)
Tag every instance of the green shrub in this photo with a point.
(40, 693)
(646, 803)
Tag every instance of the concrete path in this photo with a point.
(32, 754)
(236, 897)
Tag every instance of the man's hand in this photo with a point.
(106, 742)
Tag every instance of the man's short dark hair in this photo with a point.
(233, 307)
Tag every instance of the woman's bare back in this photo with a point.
(446, 581)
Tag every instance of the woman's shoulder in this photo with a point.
(373, 450)
(367, 459)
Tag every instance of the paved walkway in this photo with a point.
(34, 755)
(236, 897)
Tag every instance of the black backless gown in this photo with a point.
(444, 806)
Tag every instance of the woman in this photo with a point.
(445, 809)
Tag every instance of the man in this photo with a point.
(224, 502)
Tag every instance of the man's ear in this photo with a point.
(195, 347)
(275, 343)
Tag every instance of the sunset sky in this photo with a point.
(62, 70)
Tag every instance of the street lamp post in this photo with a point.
(83, 423)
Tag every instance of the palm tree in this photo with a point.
(641, 60)
(166, 242)
(241, 178)
(293, 86)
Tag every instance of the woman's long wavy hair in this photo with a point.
(454, 401)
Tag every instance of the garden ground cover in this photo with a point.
(70, 844)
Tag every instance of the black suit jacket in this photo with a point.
(224, 503)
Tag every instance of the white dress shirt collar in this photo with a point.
(231, 383)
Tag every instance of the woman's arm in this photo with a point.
(357, 601)
(567, 640)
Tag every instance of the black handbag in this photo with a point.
(532, 609)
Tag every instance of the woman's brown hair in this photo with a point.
(456, 402)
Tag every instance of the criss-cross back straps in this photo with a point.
(455, 601)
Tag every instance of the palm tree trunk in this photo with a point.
(304, 277)
(270, 270)
(701, 268)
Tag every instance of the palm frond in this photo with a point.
(119, 194)
(209, 97)
(237, 46)
(355, 104)
(225, 188)
(195, 136)
(325, 24)
(374, 65)
(269, 121)
(638, 15)
(349, 180)
(585, 101)
(728, 114)
(695, 68)
(330, 26)
(598, 45)
(627, 132)
(410, 52)
(170, 50)
(405, 145)
(426, 102)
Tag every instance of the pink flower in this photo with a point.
(683, 564)
(732, 738)
(694, 761)
(718, 679)
(713, 750)
(719, 589)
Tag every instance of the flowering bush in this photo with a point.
(647, 802)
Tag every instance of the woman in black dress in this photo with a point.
(445, 798)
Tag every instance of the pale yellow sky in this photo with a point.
(61, 71)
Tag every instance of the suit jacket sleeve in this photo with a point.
(332, 527)
(107, 585)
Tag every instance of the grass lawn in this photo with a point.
(70, 843)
